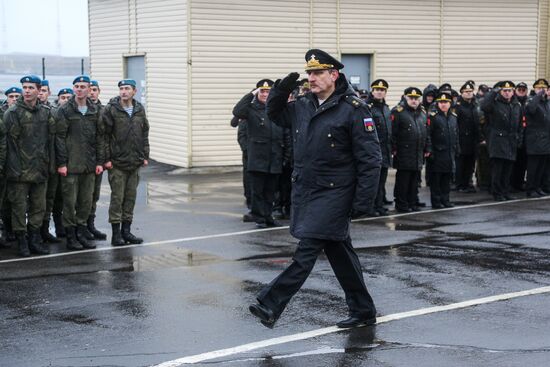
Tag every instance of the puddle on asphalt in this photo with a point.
(182, 257)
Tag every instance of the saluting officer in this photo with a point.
(79, 157)
(520, 164)
(503, 113)
(537, 138)
(126, 149)
(443, 132)
(410, 145)
(468, 120)
(265, 152)
(336, 169)
(30, 130)
(381, 115)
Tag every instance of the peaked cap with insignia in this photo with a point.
(380, 84)
(320, 60)
(507, 84)
(444, 97)
(412, 92)
(467, 87)
(540, 83)
(265, 84)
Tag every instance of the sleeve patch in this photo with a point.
(369, 124)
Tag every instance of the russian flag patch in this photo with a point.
(369, 124)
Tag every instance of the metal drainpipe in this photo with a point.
(189, 90)
(310, 23)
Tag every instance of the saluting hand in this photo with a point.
(289, 82)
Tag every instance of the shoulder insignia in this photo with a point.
(355, 101)
(422, 108)
(399, 108)
(453, 113)
(433, 113)
(370, 105)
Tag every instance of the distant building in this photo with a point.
(194, 59)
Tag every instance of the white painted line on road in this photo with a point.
(333, 329)
(238, 233)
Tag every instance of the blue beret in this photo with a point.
(31, 79)
(65, 91)
(45, 83)
(94, 83)
(81, 79)
(13, 90)
(127, 82)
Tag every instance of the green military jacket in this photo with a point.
(30, 132)
(79, 138)
(3, 146)
(126, 142)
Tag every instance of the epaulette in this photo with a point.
(355, 101)
(422, 108)
(433, 113)
(370, 105)
(399, 108)
(453, 112)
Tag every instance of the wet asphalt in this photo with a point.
(145, 305)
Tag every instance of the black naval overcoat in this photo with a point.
(336, 159)
(410, 138)
(443, 133)
(503, 126)
(468, 119)
(537, 129)
(381, 115)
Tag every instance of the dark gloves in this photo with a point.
(289, 82)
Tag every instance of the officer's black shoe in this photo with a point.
(46, 235)
(355, 321)
(403, 210)
(98, 235)
(261, 224)
(59, 229)
(532, 194)
(540, 192)
(23, 245)
(4, 243)
(266, 316)
(270, 222)
(499, 198)
(278, 214)
(509, 197)
(420, 204)
(128, 236)
(248, 217)
(416, 208)
(83, 237)
(387, 202)
(448, 204)
(72, 243)
(35, 244)
(437, 206)
(116, 238)
(382, 211)
(471, 190)
(373, 214)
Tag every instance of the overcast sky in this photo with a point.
(49, 27)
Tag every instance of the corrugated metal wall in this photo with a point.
(236, 43)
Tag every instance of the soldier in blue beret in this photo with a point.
(129, 82)
(12, 94)
(64, 95)
(45, 93)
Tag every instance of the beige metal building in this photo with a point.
(194, 59)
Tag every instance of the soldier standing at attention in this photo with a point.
(12, 94)
(410, 145)
(45, 93)
(381, 115)
(79, 158)
(503, 115)
(443, 131)
(265, 152)
(30, 130)
(98, 235)
(336, 171)
(126, 150)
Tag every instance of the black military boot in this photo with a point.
(93, 230)
(128, 236)
(35, 243)
(59, 229)
(82, 236)
(45, 233)
(116, 238)
(72, 243)
(23, 244)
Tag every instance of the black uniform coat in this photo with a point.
(265, 139)
(336, 160)
(443, 131)
(381, 115)
(503, 125)
(410, 138)
(468, 119)
(537, 129)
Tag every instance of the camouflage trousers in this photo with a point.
(97, 191)
(54, 196)
(78, 189)
(123, 194)
(28, 201)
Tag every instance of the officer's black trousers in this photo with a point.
(263, 187)
(344, 263)
(440, 187)
(381, 194)
(518, 170)
(406, 189)
(536, 166)
(246, 181)
(501, 170)
(464, 170)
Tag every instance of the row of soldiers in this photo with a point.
(502, 134)
(52, 159)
